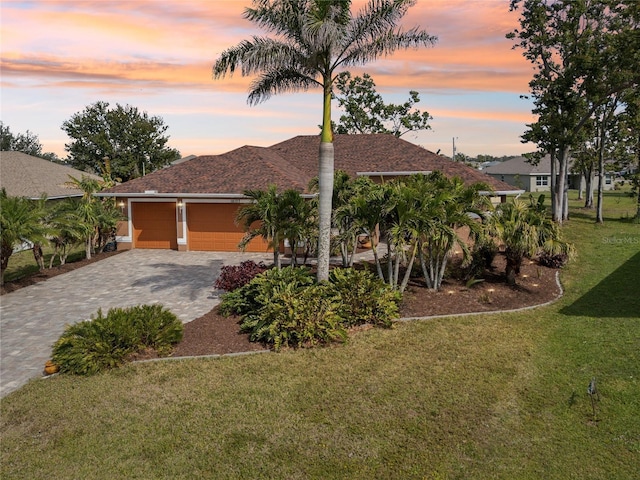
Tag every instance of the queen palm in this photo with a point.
(313, 40)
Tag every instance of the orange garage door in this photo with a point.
(211, 228)
(154, 225)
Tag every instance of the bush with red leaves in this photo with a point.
(236, 276)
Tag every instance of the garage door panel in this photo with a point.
(211, 227)
(154, 225)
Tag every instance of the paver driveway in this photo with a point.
(32, 318)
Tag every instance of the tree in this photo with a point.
(132, 141)
(28, 143)
(366, 112)
(275, 216)
(525, 231)
(20, 222)
(627, 148)
(584, 51)
(313, 40)
(447, 206)
(95, 218)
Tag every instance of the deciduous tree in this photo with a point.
(27, 142)
(132, 141)
(366, 112)
(584, 52)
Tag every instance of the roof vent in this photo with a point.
(150, 192)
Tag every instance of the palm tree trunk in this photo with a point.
(87, 247)
(38, 256)
(376, 258)
(407, 274)
(325, 184)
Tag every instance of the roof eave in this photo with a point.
(229, 196)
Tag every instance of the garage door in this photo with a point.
(154, 225)
(211, 227)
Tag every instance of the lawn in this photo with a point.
(497, 396)
(22, 264)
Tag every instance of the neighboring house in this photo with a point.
(519, 173)
(23, 175)
(193, 205)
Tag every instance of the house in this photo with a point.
(23, 175)
(192, 205)
(519, 173)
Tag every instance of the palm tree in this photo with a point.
(446, 206)
(314, 39)
(275, 216)
(263, 211)
(96, 218)
(525, 230)
(20, 222)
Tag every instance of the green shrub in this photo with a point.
(364, 298)
(104, 342)
(257, 293)
(305, 318)
(286, 307)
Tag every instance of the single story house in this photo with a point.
(519, 173)
(23, 175)
(192, 205)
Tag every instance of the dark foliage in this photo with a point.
(552, 261)
(233, 277)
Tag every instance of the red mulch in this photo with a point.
(214, 334)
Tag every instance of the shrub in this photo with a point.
(257, 293)
(552, 261)
(233, 277)
(104, 342)
(363, 297)
(305, 318)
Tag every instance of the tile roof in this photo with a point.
(23, 175)
(292, 163)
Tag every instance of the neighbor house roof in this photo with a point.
(521, 166)
(23, 175)
(292, 164)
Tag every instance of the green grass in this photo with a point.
(22, 264)
(499, 396)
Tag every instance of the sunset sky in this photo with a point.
(59, 56)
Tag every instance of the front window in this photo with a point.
(542, 181)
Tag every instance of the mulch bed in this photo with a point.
(214, 334)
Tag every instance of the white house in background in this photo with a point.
(518, 172)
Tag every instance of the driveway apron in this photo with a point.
(32, 318)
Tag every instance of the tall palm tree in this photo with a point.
(314, 39)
